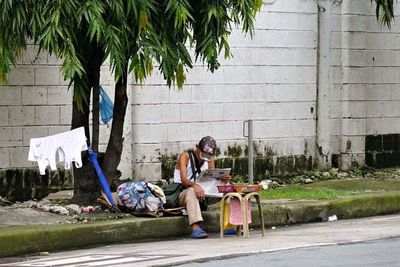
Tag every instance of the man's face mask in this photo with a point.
(204, 156)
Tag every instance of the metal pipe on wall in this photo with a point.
(250, 148)
(251, 152)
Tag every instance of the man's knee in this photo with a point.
(191, 195)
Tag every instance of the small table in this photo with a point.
(244, 199)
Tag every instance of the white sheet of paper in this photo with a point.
(210, 178)
(214, 173)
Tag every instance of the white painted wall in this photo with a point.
(272, 79)
(364, 101)
(34, 103)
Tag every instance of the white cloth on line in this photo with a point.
(68, 146)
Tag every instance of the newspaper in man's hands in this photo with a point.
(210, 178)
(214, 173)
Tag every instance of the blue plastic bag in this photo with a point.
(106, 106)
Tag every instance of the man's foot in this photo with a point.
(199, 233)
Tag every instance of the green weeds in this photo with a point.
(330, 189)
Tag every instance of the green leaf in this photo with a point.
(180, 76)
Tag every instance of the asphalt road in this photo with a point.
(316, 244)
(367, 254)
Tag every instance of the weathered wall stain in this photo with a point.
(25, 184)
(236, 158)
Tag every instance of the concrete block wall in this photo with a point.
(382, 94)
(354, 29)
(36, 102)
(367, 103)
(336, 73)
(347, 109)
(271, 79)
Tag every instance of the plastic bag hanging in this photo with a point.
(106, 106)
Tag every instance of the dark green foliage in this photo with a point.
(384, 11)
(132, 34)
(234, 151)
(141, 32)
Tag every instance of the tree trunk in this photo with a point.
(112, 156)
(95, 118)
(86, 183)
(81, 117)
(95, 82)
(86, 186)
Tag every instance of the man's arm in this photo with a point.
(211, 164)
(183, 163)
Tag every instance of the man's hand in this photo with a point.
(199, 191)
(226, 179)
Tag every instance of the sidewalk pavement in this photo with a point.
(27, 231)
(315, 239)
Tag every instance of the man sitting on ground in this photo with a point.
(193, 194)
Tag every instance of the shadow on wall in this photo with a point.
(26, 184)
(236, 158)
(382, 151)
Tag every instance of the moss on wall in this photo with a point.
(236, 158)
(256, 151)
(168, 163)
(234, 151)
(382, 151)
(25, 184)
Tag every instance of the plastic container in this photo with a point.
(247, 188)
(226, 188)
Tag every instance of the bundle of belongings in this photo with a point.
(141, 199)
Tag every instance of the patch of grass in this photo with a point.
(63, 201)
(356, 171)
(358, 185)
(331, 189)
(301, 192)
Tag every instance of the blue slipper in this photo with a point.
(231, 231)
(199, 233)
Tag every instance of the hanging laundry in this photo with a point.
(68, 146)
(106, 106)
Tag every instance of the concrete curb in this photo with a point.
(29, 239)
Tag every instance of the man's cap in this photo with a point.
(208, 145)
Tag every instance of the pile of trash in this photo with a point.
(46, 206)
(4, 202)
